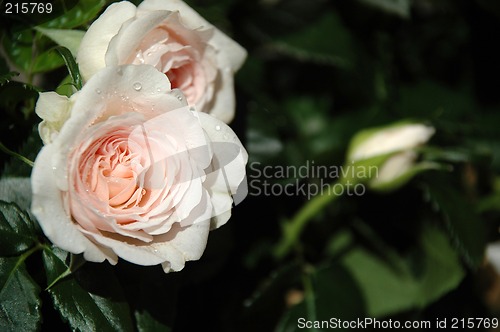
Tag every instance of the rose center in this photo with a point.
(112, 176)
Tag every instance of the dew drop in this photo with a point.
(149, 54)
(98, 91)
(225, 136)
(217, 128)
(137, 86)
(119, 71)
(177, 94)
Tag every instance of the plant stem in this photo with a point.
(75, 264)
(17, 155)
(293, 228)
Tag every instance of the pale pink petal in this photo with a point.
(226, 176)
(53, 217)
(123, 45)
(95, 42)
(232, 54)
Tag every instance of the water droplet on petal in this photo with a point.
(119, 71)
(149, 54)
(137, 86)
(217, 128)
(225, 136)
(178, 94)
(98, 91)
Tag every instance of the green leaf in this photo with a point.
(66, 87)
(4, 67)
(70, 39)
(17, 231)
(490, 203)
(5, 78)
(30, 54)
(312, 125)
(390, 289)
(46, 61)
(29, 149)
(19, 48)
(465, 226)
(429, 99)
(74, 72)
(396, 7)
(14, 93)
(90, 299)
(331, 291)
(289, 322)
(308, 44)
(82, 13)
(19, 297)
(147, 323)
(18, 190)
(266, 303)
(337, 291)
(37, 12)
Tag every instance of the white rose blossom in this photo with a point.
(198, 58)
(135, 172)
(398, 142)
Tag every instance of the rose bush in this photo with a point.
(134, 172)
(197, 57)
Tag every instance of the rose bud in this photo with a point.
(392, 150)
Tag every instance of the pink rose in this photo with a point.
(197, 58)
(136, 173)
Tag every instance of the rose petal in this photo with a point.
(173, 249)
(392, 139)
(53, 216)
(131, 34)
(234, 55)
(224, 102)
(226, 173)
(54, 110)
(95, 42)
